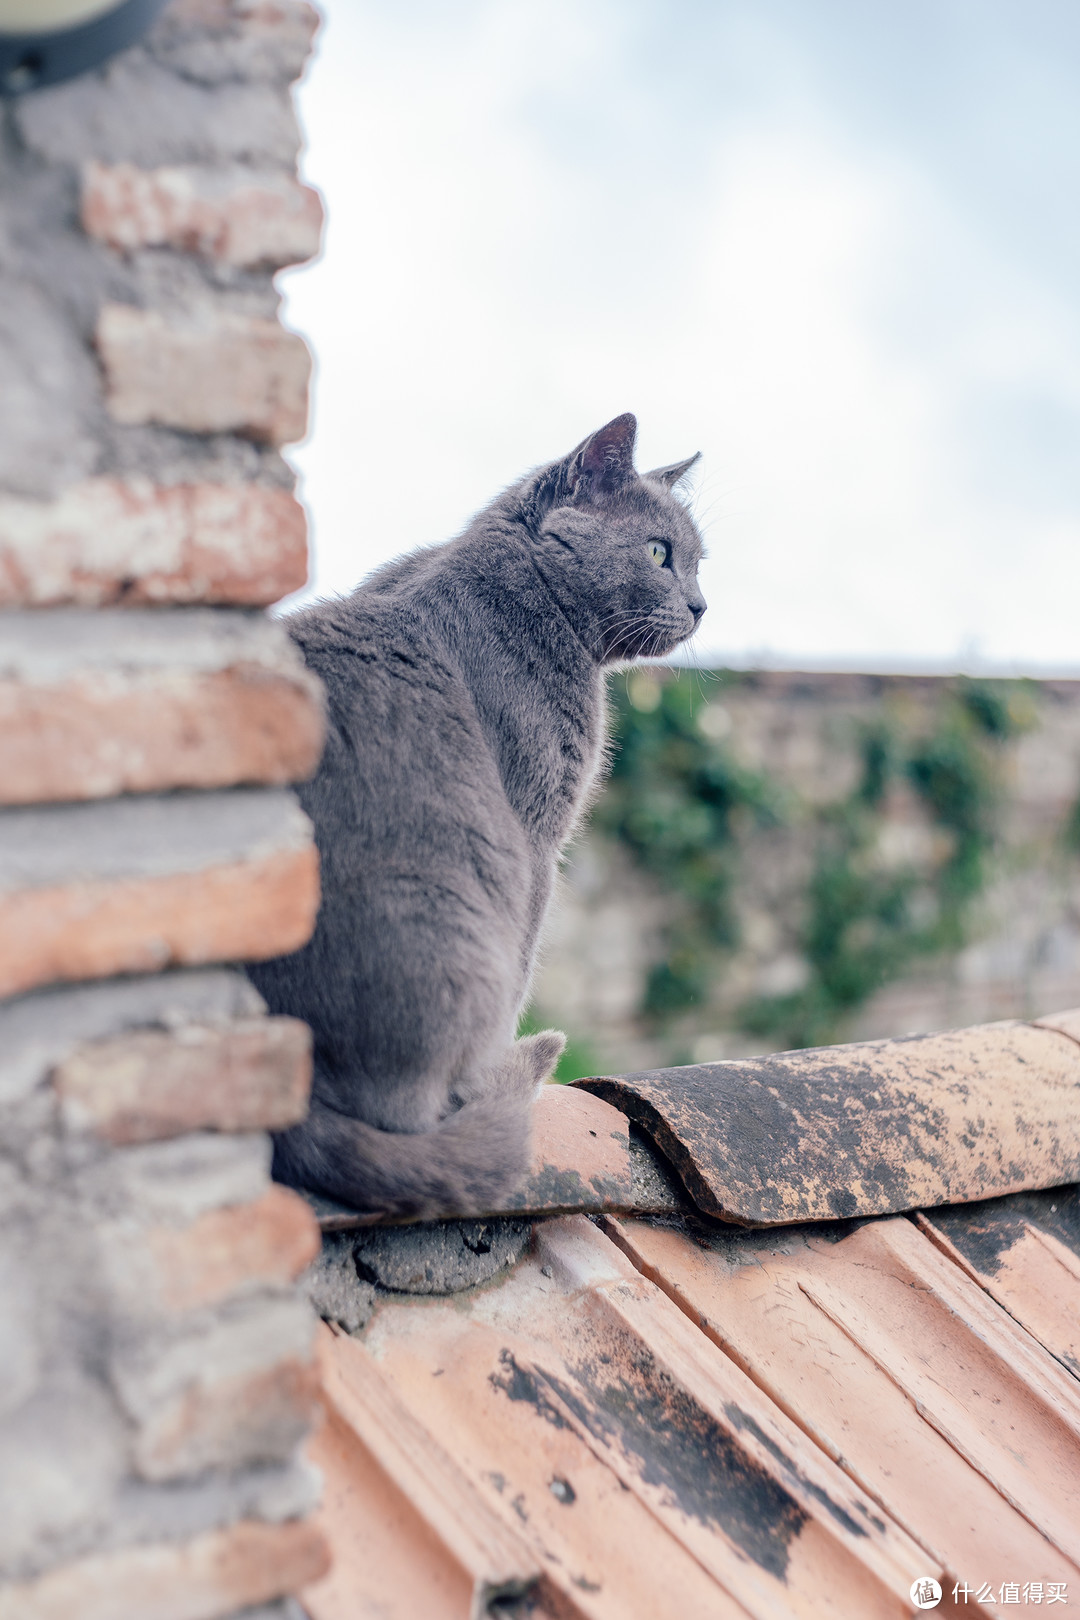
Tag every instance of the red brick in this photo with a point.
(202, 1579)
(216, 40)
(258, 1416)
(103, 733)
(113, 540)
(159, 1274)
(222, 1391)
(91, 929)
(237, 218)
(267, 1242)
(253, 1074)
(217, 372)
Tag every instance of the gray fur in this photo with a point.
(465, 687)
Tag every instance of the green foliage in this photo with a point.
(681, 803)
(863, 926)
(1072, 828)
(676, 800)
(998, 709)
(878, 761)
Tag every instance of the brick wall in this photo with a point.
(156, 1380)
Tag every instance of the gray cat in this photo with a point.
(466, 701)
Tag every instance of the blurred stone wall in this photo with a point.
(802, 732)
(156, 1374)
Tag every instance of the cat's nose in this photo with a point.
(696, 604)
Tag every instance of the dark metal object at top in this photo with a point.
(33, 58)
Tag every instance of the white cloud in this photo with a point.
(517, 251)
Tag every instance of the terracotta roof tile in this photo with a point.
(647, 1472)
(605, 1555)
(1025, 1251)
(870, 1129)
(388, 1479)
(931, 1397)
(1067, 1023)
(665, 1417)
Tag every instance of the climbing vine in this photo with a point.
(1072, 828)
(678, 800)
(683, 805)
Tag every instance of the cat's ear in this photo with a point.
(540, 1053)
(605, 462)
(675, 473)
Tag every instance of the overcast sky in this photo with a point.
(833, 244)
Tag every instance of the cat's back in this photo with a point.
(380, 630)
(379, 654)
(404, 739)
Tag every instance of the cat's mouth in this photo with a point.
(655, 638)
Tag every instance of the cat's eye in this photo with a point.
(659, 553)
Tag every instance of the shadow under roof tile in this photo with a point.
(1025, 1252)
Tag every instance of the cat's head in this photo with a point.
(617, 550)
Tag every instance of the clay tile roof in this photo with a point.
(673, 1416)
(868, 1129)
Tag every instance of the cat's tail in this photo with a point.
(467, 1165)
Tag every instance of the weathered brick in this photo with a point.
(201, 1579)
(49, 393)
(261, 1244)
(94, 704)
(233, 216)
(152, 1084)
(254, 1417)
(174, 1182)
(204, 1381)
(244, 1390)
(87, 739)
(110, 539)
(91, 930)
(217, 40)
(40, 1030)
(133, 884)
(63, 1455)
(216, 372)
(138, 111)
(222, 1255)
